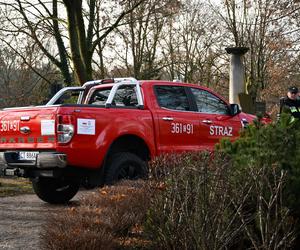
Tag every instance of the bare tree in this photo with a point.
(141, 35)
(263, 26)
(82, 43)
(40, 21)
(190, 45)
(22, 82)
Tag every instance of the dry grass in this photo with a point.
(14, 186)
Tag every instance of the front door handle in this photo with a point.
(168, 118)
(207, 121)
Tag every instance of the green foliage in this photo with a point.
(276, 144)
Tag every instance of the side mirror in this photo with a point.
(234, 109)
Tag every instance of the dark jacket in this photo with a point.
(290, 106)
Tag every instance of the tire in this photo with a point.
(54, 191)
(125, 166)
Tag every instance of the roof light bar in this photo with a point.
(111, 80)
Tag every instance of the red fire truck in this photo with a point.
(109, 129)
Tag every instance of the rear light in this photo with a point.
(65, 128)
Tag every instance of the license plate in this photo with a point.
(10, 172)
(30, 156)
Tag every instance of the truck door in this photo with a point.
(215, 120)
(176, 122)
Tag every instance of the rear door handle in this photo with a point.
(207, 121)
(25, 130)
(168, 118)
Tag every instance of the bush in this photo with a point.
(192, 210)
(264, 146)
(275, 150)
(206, 203)
(245, 195)
(104, 219)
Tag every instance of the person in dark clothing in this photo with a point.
(291, 104)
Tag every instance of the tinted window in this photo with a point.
(172, 97)
(209, 103)
(99, 97)
(125, 96)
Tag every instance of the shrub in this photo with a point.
(273, 150)
(192, 211)
(245, 195)
(103, 220)
(206, 203)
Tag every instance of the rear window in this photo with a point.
(125, 97)
(99, 97)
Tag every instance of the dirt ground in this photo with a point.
(21, 218)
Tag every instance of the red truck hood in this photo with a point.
(28, 127)
(250, 118)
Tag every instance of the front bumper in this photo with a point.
(10, 164)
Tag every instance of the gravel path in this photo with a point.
(21, 218)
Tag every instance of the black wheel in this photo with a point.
(54, 191)
(125, 166)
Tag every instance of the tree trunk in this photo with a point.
(78, 41)
(63, 65)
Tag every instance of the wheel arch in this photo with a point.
(132, 144)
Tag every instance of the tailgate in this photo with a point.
(28, 128)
